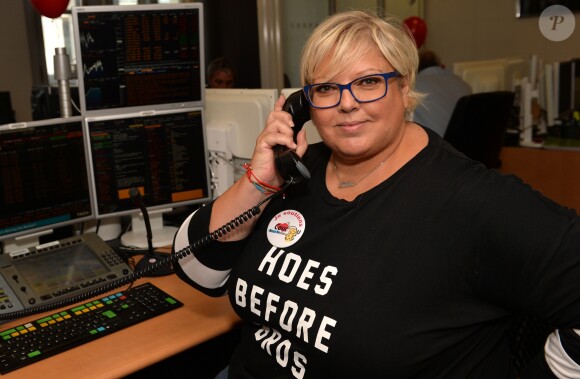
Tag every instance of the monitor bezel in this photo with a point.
(47, 123)
(86, 128)
(80, 10)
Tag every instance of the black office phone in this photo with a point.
(288, 163)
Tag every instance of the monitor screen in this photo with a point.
(566, 89)
(138, 57)
(60, 269)
(534, 8)
(576, 84)
(43, 176)
(163, 154)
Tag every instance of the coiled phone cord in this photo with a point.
(171, 258)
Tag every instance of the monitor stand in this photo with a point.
(137, 236)
(17, 244)
(108, 228)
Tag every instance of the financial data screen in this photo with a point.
(139, 58)
(162, 155)
(43, 177)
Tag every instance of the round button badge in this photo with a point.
(286, 228)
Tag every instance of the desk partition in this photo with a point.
(553, 172)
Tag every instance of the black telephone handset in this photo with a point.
(288, 163)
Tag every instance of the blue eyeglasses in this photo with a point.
(365, 89)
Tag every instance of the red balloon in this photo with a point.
(418, 29)
(50, 8)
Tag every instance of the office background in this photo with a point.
(459, 30)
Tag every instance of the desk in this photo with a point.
(555, 173)
(129, 350)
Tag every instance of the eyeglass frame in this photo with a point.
(385, 75)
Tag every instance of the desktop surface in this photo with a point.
(139, 346)
(553, 172)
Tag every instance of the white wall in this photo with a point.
(463, 30)
(300, 17)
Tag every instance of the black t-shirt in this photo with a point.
(417, 278)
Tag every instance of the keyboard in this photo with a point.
(31, 342)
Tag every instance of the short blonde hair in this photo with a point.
(347, 36)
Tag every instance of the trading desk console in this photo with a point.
(47, 336)
(119, 354)
(56, 271)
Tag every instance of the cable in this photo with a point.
(75, 106)
(171, 258)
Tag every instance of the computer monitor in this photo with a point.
(566, 88)
(44, 182)
(502, 74)
(162, 154)
(576, 84)
(516, 69)
(482, 76)
(137, 57)
(234, 119)
(244, 111)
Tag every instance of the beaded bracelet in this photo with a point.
(264, 188)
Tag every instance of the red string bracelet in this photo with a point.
(261, 186)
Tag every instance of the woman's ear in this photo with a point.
(404, 86)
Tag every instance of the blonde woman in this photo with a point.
(408, 260)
